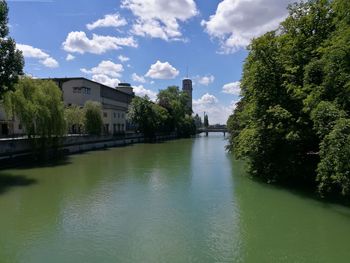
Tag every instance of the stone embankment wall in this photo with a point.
(17, 147)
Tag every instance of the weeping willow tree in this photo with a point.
(38, 105)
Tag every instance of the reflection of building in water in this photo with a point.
(187, 87)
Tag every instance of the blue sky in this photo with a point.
(149, 43)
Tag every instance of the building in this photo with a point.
(77, 91)
(187, 87)
(114, 101)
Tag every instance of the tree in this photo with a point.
(93, 117)
(175, 102)
(148, 116)
(75, 118)
(38, 106)
(334, 167)
(11, 59)
(295, 94)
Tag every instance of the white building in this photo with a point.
(114, 101)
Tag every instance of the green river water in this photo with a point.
(178, 201)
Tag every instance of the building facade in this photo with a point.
(77, 91)
(114, 101)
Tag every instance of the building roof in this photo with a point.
(102, 85)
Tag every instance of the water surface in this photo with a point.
(178, 201)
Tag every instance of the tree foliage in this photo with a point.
(296, 99)
(11, 59)
(93, 117)
(75, 118)
(39, 107)
(168, 114)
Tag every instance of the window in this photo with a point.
(76, 90)
(20, 126)
(115, 115)
(118, 115)
(105, 114)
(87, 90)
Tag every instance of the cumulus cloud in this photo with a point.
(236, 22)
(107, 73)
(205, 80)
(78, 42)
(106, 67)
(111, 20)
(160, 19)
(233, 88)
(141, 92)
(138, 78)
(32, 52)
(106, 80)
(70, 57)
(123, 58)
(217, 112)
(162, 70)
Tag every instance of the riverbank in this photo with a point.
(14, 149)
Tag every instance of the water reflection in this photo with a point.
(180, 201)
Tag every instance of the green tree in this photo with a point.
(334, 167)
(39, 107)
(175, 102)
(148, 116)
(11, 59)
(75, 118)
(93, 118)
(295, 89)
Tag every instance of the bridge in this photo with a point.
(212, 129)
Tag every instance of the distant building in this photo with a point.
(77, 91)
(187, 87)
(114, 101)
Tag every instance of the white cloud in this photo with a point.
(106, 67)
(32, 52)
(217, 112)
(138, 78)
(162, 70)
(236, 22)
(70, 57)
(78, 42)
(111, 20)
(205, 80)
(141, 91)
(50, 62)
(107, 73)
(160, 18)
(123, 58)
(106, 80)
(206, 99)
(233, 88)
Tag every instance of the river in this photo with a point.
(177, 201)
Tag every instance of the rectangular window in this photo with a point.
(105, 114)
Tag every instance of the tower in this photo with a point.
(187, 88)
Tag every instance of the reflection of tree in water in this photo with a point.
(8, 181)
